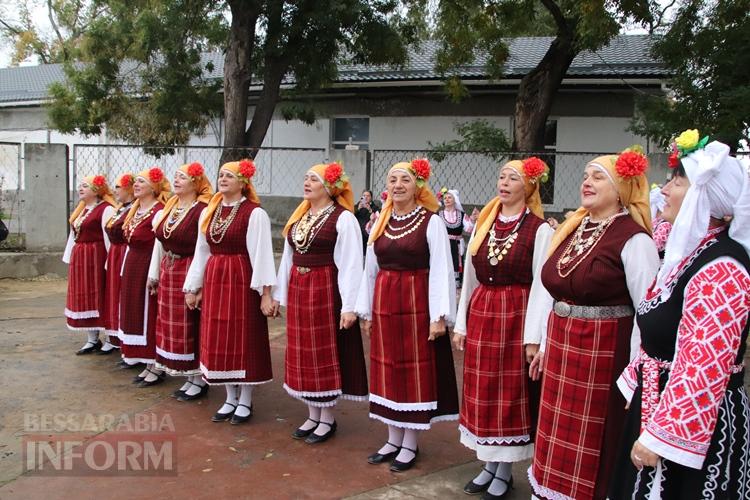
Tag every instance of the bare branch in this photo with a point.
(53, 22)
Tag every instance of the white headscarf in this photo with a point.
(719, 187)
(456, 199)
(656, 200)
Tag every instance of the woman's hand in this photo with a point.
(536, 367)
(193, 300)
(153, 287)
(531, 350)
(347, 320)
(474, 215)
(458, 341)
(642, 456)
(365, 326)
(437, 329)
(276, 308)
(266, 304)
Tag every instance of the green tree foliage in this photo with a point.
(706, 49)
(467, 28)
(479, 136)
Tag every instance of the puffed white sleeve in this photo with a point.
(107, 214)
(540, 301)
(282, 278)
(366, 292)
(194, 278)
(442, 282)
(467, 290)
(157, 253)
(640, 260)
(347, 255)
(69, 248)
(260, 250)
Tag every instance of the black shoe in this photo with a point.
(160, 377)
(509, 486)
(399, 466)
(223, 417)
(177, 393)
(122, 365)
(102, 352)
(317, 438)
(473, 488)
(191, 397)
(379, 458)
(303, 433)
(241, 420)
(89, 347)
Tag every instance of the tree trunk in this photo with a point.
(266, 105)
(237, 75)
(536, 94)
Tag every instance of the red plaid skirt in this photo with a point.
(176, 325)
(112, 291)
(581, 415)
(234, 347)
(412, 379)
(321, 360)
(137, 310)
(84, 306)
(498, 406)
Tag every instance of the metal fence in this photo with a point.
(11, 187)
(277, 173)
(474, 174)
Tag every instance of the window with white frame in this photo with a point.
(350, 131)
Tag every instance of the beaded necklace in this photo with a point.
(120, 212)
(82, 217)
(174, 219)
(129, 228)
(579, 248)
(219, 226)
(452, 224)
(418, 215)
(497, 248)
(306, 229)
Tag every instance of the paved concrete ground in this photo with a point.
(42, 378)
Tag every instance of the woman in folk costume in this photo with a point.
(457, 222)
(86, 254)
(232, 274)
(318, 282)
(115, 256)
(687, 434)
(661, 226)
(137, 306)
(176, 229)
(408, 299)
(602, 260)
(500, 401)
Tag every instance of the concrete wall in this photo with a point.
(45, 203)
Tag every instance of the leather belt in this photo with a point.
(564, 310)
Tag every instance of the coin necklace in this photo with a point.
(219, 226)
(174, 219)
(133, 223)
(579, 248)
(497, 248)
(306, 229)
(82, 217)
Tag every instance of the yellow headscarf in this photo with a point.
(633, 191)
(98, 184)
(158, 182)
(489, 213)
(203, 189)
(336, 184)
(244, 170)
(419, 170)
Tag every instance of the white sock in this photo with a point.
(92, 338)
(231, 400)
(152, 374)
(246, 398)
(107, 346)
(313, 416)
(144, 373)
(499, 484)
(395, 437)
(410, 441)
(187, 385)
(488, 472)
(194, 385)
(327, 416)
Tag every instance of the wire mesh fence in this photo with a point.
(11, 188)
(277, 174)
(474, 174)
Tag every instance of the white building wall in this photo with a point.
(416, 132)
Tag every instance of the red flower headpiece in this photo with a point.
(98, 182)
(631, 163)
(421, 170)
(194, 170)
(535, 169)
(334, 176)
(127, 180)
(674, 158)
(155, 175)
(384, 195)
(246, 170)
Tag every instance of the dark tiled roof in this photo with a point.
(626, 56)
